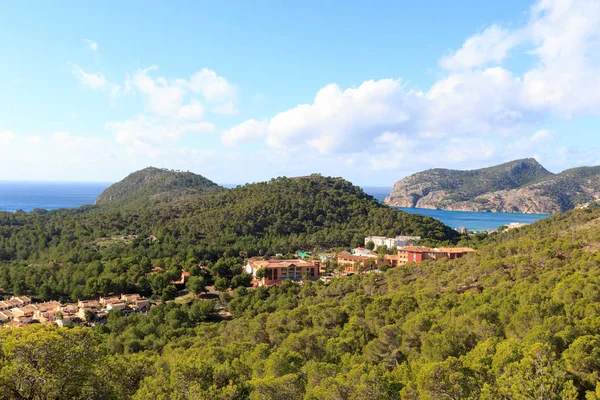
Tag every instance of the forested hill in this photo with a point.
(279, 216)
(156, 184)
(517, 186)
(519, 319)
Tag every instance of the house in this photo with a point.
(131, 297)
(182, 279)
(410, 254)
(20, 301)
(361, 251)
(88, 304)
(398, 241)
(355, 263)
(23, 314)
(455, 252)
(105, 301)
(155, 270)
(46, 312)
(6, 316)
(280, 270)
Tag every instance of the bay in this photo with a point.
(473, 221)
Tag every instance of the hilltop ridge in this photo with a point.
(154, 184)
(523, 186)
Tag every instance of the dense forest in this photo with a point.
(519, 319)
(95, 250)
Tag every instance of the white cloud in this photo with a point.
(194, 110)
(476, 112)
(490, 46)
(6, 137)
(89, 80)
(199, 127)
(144, 132)
(166, 97)
(215, 89)
(90, 44)
(162, 97)
(248, 130)
(542, 136)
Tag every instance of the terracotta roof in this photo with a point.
(456, 249)
(282, 263)
(417, 249)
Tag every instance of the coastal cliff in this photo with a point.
(522, 186)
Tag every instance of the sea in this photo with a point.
(53, 195)
(472, 220)
(48, 195)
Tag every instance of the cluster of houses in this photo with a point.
(358, 260)
(20, 310)
(363, 259)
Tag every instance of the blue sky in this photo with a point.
(246, 91)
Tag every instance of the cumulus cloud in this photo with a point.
(88, 80)
(143, 132)
(248, 130)
(490, 46)
(166, 97)
(161, 96)
(194, 110)
(215, 89)
(199, 127)
(543, 135)
(475, 112)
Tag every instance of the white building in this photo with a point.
(361, 251)
(398, 241)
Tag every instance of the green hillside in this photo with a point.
(154, 184)
(104, 249)
(517, 320)
(467, 185)
(517, 186)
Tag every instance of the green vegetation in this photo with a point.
(505, 187)
(66, 255)
(519, 319)
(154, 184)
(468, 185)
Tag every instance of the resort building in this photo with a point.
(398, 241)
(278, 271)
(410, 254)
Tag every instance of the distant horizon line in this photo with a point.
(111, 183)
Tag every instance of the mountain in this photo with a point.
(278, 216)
(155, 184)
(522, 186)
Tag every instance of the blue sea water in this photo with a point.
(474, 221)
(48, 195)
(52, 195)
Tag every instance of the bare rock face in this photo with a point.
(521, 186)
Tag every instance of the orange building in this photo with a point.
(355, 263)
(280, 270)
(412, 254)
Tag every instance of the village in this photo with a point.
(379, 254)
